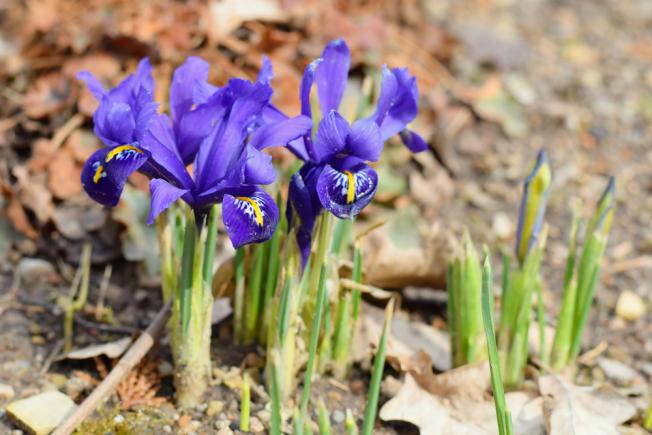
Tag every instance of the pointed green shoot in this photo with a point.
(377, 373)
(502, 414)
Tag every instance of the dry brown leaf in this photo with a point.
(33, 192)
(42, 152)
(462, 405)
(406, 340)
(402, 253)
(46, 96)
(571, 409)
(458, 402)
(19, 219)
(64, 174)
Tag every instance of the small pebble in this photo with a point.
(255, 425)
(264, 415)
(41, 413)
(338, 416)
(222, 424)
(118, 419)
(224, 431)
(165, 369)
(630, 306)
(184, 421)
(167, 428)
(214, 407)
(35, 269)
(501, 225)
(357, 386)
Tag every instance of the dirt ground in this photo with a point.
(499, 79)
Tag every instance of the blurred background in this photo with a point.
(498, 79)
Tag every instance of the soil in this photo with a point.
(579, 82)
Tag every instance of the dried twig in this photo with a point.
(130, 359)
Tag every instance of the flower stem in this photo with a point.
(190, 325)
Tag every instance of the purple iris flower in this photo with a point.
(335, 175)
(221, 131)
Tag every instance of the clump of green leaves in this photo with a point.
(464, 286)
(581, 279)
(520, 283)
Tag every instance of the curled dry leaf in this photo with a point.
(571, 409)
(402, 253)
(112, 349)
(406, 340)
(33, 193)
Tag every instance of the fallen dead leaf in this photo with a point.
(461, 405)
(64, 174)
(227, 15)
(19, 219)
(33, 193)
(46, 96)
(405, 252)
(407, 338)
(42, 152)
(571, 409)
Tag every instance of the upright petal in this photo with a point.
(332, 75)
(280, 133)
(184, 80)
(128, 89)
(94, 85)
(193, 127)
(115, 122)
(388, 87)
(346, 190)
(145, 111)
(331, 136)
(163, 195)
(105, 172)
(266, 72)
(250, 216)
(165, 161)
(225, 144)
(306, 86)
(364, 140)
(258, 168)
(404, 104)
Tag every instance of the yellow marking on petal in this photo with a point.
(98, 174)
(117, 150)
(256, 207)
(350, 193)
